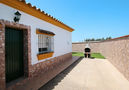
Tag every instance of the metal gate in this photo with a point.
(13, 54)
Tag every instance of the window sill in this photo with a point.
(45, 55)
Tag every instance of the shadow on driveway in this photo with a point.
(52, 83)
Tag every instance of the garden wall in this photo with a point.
(115, 50)
(80, 46)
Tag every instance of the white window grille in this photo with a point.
(45, 43)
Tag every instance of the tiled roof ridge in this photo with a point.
(38, 9)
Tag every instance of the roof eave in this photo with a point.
(27, 8)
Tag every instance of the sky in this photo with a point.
(89, 18)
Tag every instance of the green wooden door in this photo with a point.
(13, 54)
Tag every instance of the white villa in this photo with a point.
(34, 46)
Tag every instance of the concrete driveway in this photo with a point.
(89, 74)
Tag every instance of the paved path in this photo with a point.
(89, 74)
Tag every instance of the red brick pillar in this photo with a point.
(2, 57)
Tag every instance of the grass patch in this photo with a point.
(78, 54)
(93, 55)
(97, 55)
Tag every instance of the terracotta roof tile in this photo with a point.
(29, 5)
(42, 11)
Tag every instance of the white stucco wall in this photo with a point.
(62, 39)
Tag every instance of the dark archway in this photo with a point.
(87, 49)
(87, 52)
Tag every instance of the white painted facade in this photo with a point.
(62, 38)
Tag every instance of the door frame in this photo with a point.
(26, 45)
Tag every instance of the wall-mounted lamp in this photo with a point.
(17, 16)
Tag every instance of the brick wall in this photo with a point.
(79, 47)
(2, 57)
(115, 50)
